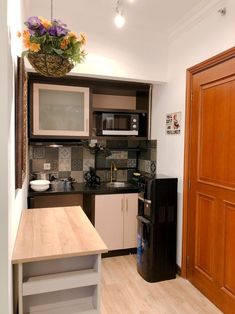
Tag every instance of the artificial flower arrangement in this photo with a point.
(51, 43)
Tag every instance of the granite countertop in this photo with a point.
(86, 189)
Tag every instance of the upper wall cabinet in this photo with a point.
(76, 107)
(59, 111)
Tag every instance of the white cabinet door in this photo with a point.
(60, 110)
(109, 219)
(130, 221)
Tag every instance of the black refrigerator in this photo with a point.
(157, 220)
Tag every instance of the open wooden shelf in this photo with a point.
(84, 306)
(119, 110)
(61, 281)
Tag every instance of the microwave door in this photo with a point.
(109, 123)
(122, 122)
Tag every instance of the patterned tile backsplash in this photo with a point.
(128, 155)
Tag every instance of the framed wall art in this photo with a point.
(20, 123)
(173, 123)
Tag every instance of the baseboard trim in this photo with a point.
(178, 270)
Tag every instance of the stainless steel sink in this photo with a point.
(117, 184)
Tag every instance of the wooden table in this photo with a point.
(57, 262)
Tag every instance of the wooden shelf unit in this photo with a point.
(42, 293)
(57, 263)
(105, 96)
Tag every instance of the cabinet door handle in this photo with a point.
(122, 207)
(126, 204)
(86, 125)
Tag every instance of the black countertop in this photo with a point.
(82, 188)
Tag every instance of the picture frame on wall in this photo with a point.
(20, 123)
(173, 123)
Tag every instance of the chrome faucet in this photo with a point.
(112, 168)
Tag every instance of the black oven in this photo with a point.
(117, 124)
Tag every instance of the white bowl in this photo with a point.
(39, 185)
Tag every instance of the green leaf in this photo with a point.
(24, 54)
(58, 51)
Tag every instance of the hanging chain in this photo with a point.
(51, 10)
(118, 6)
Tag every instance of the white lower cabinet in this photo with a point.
(115, 220)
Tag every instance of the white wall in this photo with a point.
(11, 201)
(208, 35)
(135, 52)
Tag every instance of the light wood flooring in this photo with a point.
(124, 291)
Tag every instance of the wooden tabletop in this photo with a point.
(52, 233)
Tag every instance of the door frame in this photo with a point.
(220, 58)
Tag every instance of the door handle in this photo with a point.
(86, 125)
(126, 204)
(122, 206)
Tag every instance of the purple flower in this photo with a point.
(59, 23)
(42, 30)
(32, 32)
(58, 31)
(33, 22)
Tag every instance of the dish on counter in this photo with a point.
(40, 185)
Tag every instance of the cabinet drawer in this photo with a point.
(43, 201)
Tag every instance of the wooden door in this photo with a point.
(130, 221)
(109, 219)
(211, 173)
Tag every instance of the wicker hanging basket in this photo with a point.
(50, 65)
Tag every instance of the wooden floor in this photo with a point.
(124, 291)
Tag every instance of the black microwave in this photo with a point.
(117, 124)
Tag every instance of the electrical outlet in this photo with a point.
(47, 166)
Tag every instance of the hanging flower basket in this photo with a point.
(49, 65)
(52, 49)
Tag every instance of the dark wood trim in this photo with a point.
(95, 83)
(222, 57)
(20, 123)
(119, 110)
(119, 252)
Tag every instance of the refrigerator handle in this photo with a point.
(141, 198)
(144, 200)
(143, 220)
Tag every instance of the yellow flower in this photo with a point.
(34, 47)
(26, 42)
(83, 39)
(46, 23)
(18, 34)
(64, 43)
(73, 35)
(26, 34)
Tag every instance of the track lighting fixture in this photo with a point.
(119, 19)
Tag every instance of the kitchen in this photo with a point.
(168, 97)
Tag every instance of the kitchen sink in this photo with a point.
(118, 184)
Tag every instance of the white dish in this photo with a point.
(39, 185)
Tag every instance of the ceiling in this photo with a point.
(140, 14)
